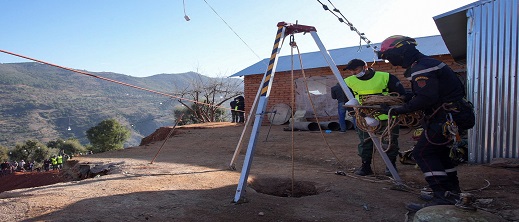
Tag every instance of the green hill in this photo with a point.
(42, 102)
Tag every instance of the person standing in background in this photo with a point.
(46, 164)
(241, 108)
(234, 113)
(54, 162)
(59, 161)
(341, 98)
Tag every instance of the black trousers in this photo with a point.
(234, 116)
(241, 116)
(432, 156)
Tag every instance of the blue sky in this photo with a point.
(143, 38)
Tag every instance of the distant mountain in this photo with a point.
(43, 102)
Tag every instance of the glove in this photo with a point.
(399, 110)
(384, 108)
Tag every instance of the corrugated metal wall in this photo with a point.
(492, 79)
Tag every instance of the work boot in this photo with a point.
(428, 196)
(364, 170)
(454, 182)
(439, 198)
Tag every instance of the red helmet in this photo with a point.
(396, 41)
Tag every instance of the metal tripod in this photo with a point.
(285, 29)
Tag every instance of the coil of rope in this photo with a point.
(411, 120)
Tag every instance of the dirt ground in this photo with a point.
(190, 180)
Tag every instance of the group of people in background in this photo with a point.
(21, 166)
(55, 162)
(238, 110)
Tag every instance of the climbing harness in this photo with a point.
(449, 128)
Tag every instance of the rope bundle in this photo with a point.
(391, 99)
(411, 120)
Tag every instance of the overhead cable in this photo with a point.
(343, 19)
(234, 32)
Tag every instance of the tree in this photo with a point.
(70, 146)
(204, 98)
(43, 153)
(191, 115)
(55, 143)
(31, 150)
(4, 154)
(107, 135)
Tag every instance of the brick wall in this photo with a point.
(281, 89)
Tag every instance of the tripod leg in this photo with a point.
(270, 127)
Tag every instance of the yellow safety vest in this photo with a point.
(53, 161)
(60, 160)
(376, 85)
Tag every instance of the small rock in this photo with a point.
(261, 214)
(484, 201)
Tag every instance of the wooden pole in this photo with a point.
(169, 134)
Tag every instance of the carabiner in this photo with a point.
(292, 41)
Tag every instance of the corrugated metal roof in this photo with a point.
(449, 24)
(430, 45)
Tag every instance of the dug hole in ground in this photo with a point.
(292, 178)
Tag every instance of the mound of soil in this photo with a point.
(18, 180)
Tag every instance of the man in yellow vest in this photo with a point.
(54, 162)
(59, 161)
(366, 81)
(234, 111)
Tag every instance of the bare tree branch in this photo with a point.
(209, 95)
